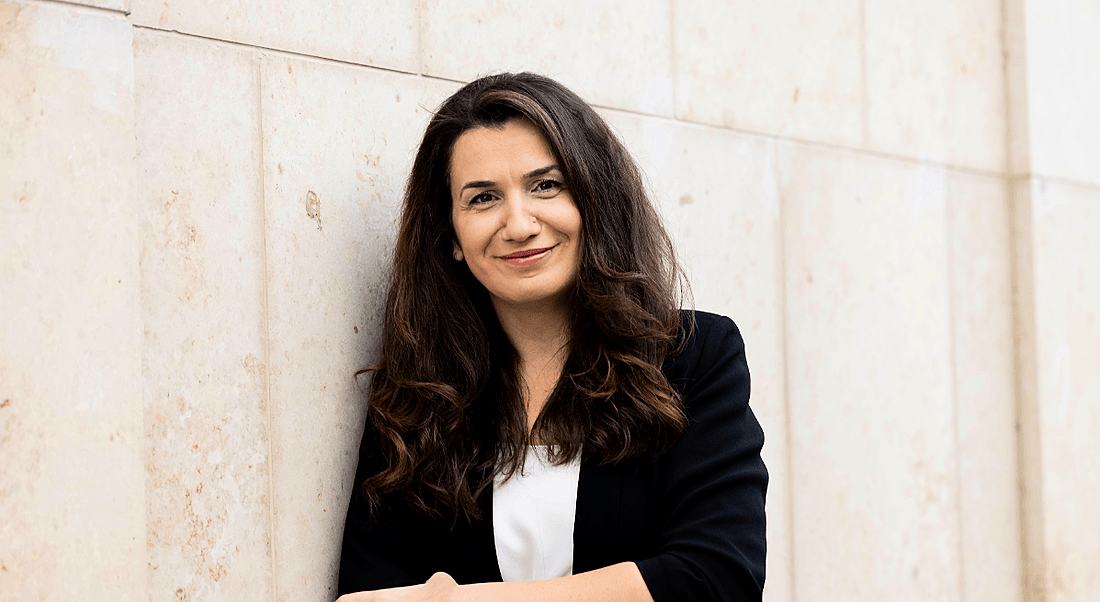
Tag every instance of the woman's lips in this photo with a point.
(527, 257)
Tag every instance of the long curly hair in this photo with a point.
(446, 397)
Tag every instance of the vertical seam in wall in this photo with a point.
(864, 114)
(786, 368)
(952, 354)
(1019, 238)
(1014, 263)
(267, 334)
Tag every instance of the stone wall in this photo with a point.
(896, 201)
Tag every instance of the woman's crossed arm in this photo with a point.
(617, 583)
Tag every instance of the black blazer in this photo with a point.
(692, 518)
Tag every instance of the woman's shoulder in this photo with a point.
(695, 321)
(710, 360)
(704, 339)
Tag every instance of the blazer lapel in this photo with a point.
(596, 527)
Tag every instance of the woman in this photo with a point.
(543, 412)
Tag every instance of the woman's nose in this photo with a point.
(519, 221)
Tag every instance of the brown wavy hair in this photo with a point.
(446, 396)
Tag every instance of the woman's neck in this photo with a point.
(535, 332)
(540, 336)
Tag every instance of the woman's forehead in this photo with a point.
(490, 152)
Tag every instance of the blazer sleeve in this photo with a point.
(712, 532)
(378, 549)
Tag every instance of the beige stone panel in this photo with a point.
(1063, 90)
(984, 382)
(716, 190)
(785, 67)
(873, 451)
(935, 81)
(381, 33)
(338, 144)
(615, 54)
(202, 279)
(1066, 292)
(72, 507)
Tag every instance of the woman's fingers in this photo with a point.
(440, 580)
(439, 588)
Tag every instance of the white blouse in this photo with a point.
(533, 515)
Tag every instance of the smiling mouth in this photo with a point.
(527, 257)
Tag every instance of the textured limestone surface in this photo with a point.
(382, 33)
(1062, 58)
(786, 67)
(873, 442)
(895, 201)
(935, 88)
(71, 496)
(204, 351)
(983, 381)
(337, 145)
(1065, 257)
(615, 54)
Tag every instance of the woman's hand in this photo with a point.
(616, 583)
(439, 588)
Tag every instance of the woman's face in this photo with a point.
(516, 226)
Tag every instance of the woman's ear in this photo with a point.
(458, 252)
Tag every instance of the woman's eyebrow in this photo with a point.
(478, 184)
(542, 171)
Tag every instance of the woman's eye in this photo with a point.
(481, 199)
(548, 186)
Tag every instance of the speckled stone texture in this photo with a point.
(204, 355)
(72, 505)
(765, 68)
(382, 33)
(873, 442)
(615, 54)
(935, 87)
